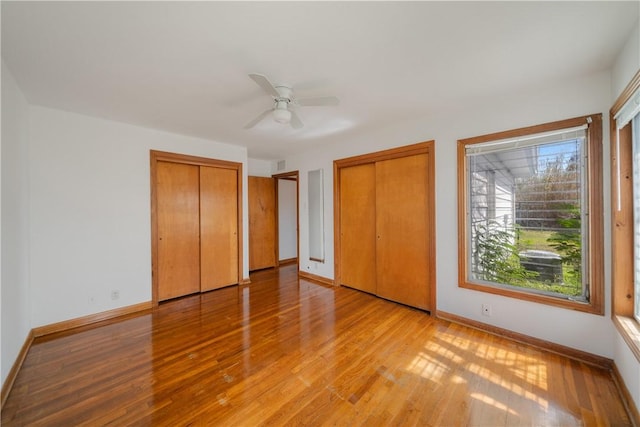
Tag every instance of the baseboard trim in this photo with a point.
(90, 319)
(579, 355)
(287, 261)
(627, 400)
(17, 365)
(315, 278)
(245, 281)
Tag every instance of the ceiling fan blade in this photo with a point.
(319, 101)
(295, 122)
(255, 121)
(265, 84)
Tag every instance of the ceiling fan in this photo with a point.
(283, 100)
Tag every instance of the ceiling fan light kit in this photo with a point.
(282, 115)
(283, 99)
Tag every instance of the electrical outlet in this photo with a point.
(115, 295)
(486, 310)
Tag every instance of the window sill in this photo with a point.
(630, 331)
(593, 307)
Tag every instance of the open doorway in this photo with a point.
(287, 241)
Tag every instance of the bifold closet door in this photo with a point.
(178, 212)
(218, 227)
(402, 230)
(358, 227)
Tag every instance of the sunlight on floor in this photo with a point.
(428, 367)
(483, 398)
(515, 377)
(435, 361)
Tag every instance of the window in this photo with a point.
(530, 213)
(625, 207)
(635, 138)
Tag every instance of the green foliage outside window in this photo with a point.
(496, 255)
(497, 260)
(568, 243)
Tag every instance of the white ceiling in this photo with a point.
(183, 66)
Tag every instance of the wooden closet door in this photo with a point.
(262, 223)
(358, 227)
(402, 230)
(178, 201)
(218, 227)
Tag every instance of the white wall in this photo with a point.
(626, 66)
(259, 167)
(287, 236)
(566, 99)
(319, 159)
(15, 318)
(90, 211)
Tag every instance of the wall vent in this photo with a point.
(281, 165)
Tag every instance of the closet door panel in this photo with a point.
(218, 227)
(262, 223)
(178, 225)
(358, 227)
(402, 230)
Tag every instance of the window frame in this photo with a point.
(622, 286)
(595, 278)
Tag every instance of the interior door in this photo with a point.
(218, 227)
(262, 223)
(402, 230)
(178, 225)
(358, 227)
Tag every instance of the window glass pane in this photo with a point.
(526, 219)
(636, 214)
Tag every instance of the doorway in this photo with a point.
(287, 217)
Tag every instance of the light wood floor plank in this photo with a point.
(286, 351)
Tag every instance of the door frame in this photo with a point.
(163, 156)
(426, 147)
(289, 176)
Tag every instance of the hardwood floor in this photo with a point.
(284, 351)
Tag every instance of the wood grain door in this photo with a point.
(403, 230)
(218, 227)
(262, 223)
(358, 227)
(178, 224)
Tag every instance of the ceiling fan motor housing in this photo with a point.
(285, 93)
